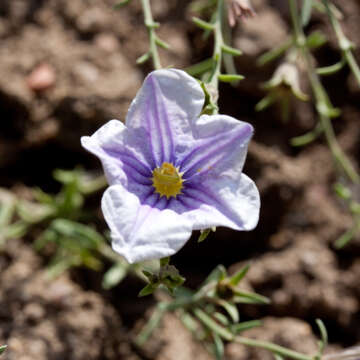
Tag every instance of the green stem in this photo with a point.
(321, 97)
(151, 325)
(344, 42)
(151, 25)
(276, 349)
(219, 42)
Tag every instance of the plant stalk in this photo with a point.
(344, 42)
(276, 349)
(321, 97)
(219, 42)
(151, 25)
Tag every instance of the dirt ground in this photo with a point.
(85, 53)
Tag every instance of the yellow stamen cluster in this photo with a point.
(167, 180)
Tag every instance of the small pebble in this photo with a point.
(41, 78)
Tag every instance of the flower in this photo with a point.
(238, 9)
(282, 88)
(287, 77)
(171, 170)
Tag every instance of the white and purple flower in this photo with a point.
(172, 171)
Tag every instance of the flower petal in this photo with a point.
(124, 155)
(221, 144)
(215, 192)
(166, 108)
(142, 231)
(230, 202)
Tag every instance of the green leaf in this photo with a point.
(342, 191)
(203, 24)
(246, 325)
(172, 281)
(164, 261)
(218, 274)
(150, 276)
(219, 347)
(213, 325)
(316, 39)
(114, 275)
(162, 43)
(210, 106)
(250, 298)
(190, 322)
(143, 58)
(230, 308)
(120, 4)
(331, 69)
(278, 357)
(14, 230)
(148, 290)
(89, 185)
(59, 267)
(43, 197)
(66, 176)
(201, 67)
(236, 278)
(306, 12)
(2, 348)
(308, 137)
(76, 244)
(33, 213)
(228, 78)
(355, 207)
(266, 101)
(87, 236)
(323, 334)
(345, 238)
(7, 207)
(152, 324)
(221, 318)
(230, 50)
(203, 235)
(274, 53)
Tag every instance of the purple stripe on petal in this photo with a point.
(134, 170)
(206, 155)
(130, 160)
(153, 134)
(135, 177)
(165, 135)
(148, 197)
(186, 203)
(131, 171)
(204, 196)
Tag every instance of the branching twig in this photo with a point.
(345, 44)
(151, 26)
(323, 104)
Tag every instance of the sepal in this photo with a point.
(167, 276)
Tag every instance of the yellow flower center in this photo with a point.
(167, 180)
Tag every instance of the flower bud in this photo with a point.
(286, 77)
(238, 9)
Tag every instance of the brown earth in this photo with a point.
(66, 67)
